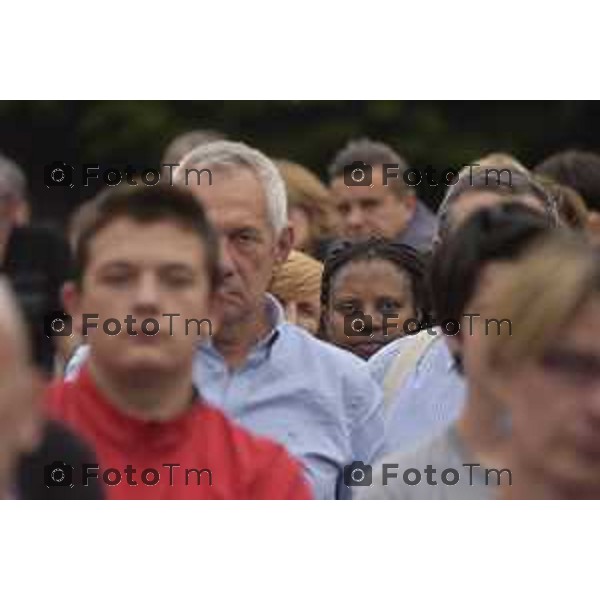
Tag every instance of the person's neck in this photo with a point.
(235, 340)
(146, 396)
(478, 429)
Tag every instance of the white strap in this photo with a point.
(403, 364)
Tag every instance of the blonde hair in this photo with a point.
(297, 278)
(547, 288)
(306, 191)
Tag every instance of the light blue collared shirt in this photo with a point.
(314, 398)
(430, 398)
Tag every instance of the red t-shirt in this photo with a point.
(211, 457)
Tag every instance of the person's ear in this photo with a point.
(71, 298)
(410, 202)
(284, 244)
(593, 227)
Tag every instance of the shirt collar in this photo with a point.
(262, 349)
(275, 312)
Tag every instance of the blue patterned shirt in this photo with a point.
(430, 398)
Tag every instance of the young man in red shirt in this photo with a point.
(147, 267)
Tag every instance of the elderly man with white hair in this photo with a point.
(267, 374)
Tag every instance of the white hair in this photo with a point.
(12, 177)
(229, 154)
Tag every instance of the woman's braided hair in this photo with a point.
(404, 257)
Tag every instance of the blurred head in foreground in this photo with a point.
(141, 255)
(546, 374)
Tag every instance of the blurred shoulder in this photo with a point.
(387, 482)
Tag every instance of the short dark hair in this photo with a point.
(13, 177)
(507, 182)
(404, 257)
(372, 153)
(500, 232)
(149, 205)
(578, 170)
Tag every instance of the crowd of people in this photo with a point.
(267, 335)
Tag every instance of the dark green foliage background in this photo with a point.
(441, 134)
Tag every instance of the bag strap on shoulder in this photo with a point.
(403, 364)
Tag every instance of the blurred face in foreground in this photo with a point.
(144, 271)
(376, 287)
(549, 406)
(555, 406)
